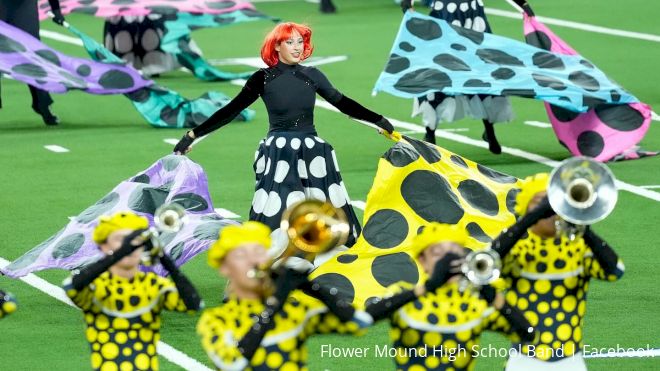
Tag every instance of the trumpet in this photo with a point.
(168, 218)
(582, 192)
(481, 267)
(312, 227)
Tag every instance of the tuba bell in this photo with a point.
(313, 227)
(581, 191)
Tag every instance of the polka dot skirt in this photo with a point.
(137, 41)
(291, 167)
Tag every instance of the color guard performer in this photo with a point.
(121, 304)
(250, 332)
(438, 325)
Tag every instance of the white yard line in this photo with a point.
(172, 141)
(538, 124)
(227, 213)
(578, 25)
(655, 116)
(60, 37)
(359, 204)
(55, 148)
(170, 353)
(650, 186)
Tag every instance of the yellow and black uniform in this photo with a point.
(123, 318)
(123, 314)
(283, 345)
(441, 330)
(7, 304)
(549, 280)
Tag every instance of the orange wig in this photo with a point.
(283, 32)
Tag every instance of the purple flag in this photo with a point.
(109, 8)
(173, 178)
(606, 132)
(27, 59)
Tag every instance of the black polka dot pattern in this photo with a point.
(385, 229)
(479, 197)
(429, 152)
(397, 64)
(548, 60)
(498, 57)
(539, 39)
(424, 29)
(503, 73)
(68, 246)
(584, 80)
(402, 263)
(562, 114)
(407, 47)
(496, 176)
(450, 62)
(590, 143)
(401, 155)
(620, 117)
(431, 197)
(423, 79)
(477, 233)
(548, 82)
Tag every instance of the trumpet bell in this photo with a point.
(482, 267)
(582, 191)
(169, 217)
(314, 226)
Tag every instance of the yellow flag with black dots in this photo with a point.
(417, 183)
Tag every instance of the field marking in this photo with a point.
(538, 124)
(55, 148)
(60, 37)
(578, 25)
(627, 354)
(167, 351)
(359, 204)
(655, 116)
(172, 141)
(226, 213)
(650, 186)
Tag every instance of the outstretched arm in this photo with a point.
(604, 254)
(88, 274)
(508, 238)
(519, 324)
(186, 290)
(443, 270)
(250, 92)
(345, 104)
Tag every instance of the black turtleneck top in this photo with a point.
(289, 92)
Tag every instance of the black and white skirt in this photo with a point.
(294, 166)
(437, 107)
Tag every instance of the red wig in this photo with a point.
(283, 32)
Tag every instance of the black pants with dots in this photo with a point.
(23, 14)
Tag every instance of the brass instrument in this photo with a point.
(168, 218)
(312, 227)
(481, 267)
(581, 191)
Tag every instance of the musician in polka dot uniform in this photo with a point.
(549, 279)
(121, 305)
(7, 304)
(255, 331)
(438, 325)
(292, 163)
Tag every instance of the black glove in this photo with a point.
(442, 271)
(287, 280)
(183, 145)
(488, 293)
(405, 5)
(58, 17)
(385, 124)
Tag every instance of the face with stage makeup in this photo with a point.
(237, 265)
(290, 51)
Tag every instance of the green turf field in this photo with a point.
(109, 142)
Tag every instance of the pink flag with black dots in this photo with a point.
(608, 132)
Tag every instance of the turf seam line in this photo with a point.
(167, 351)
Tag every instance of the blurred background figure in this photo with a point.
(23, 14)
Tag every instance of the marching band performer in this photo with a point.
(438, 325)
(121, 304)
(292, 163)
(7, 304)
(249, 331)
(549, 278)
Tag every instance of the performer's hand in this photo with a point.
(184, 144)
(405, 5)
(385, 124)
(443, 270)
(134, 241)
(58, 17)
(488, 293)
